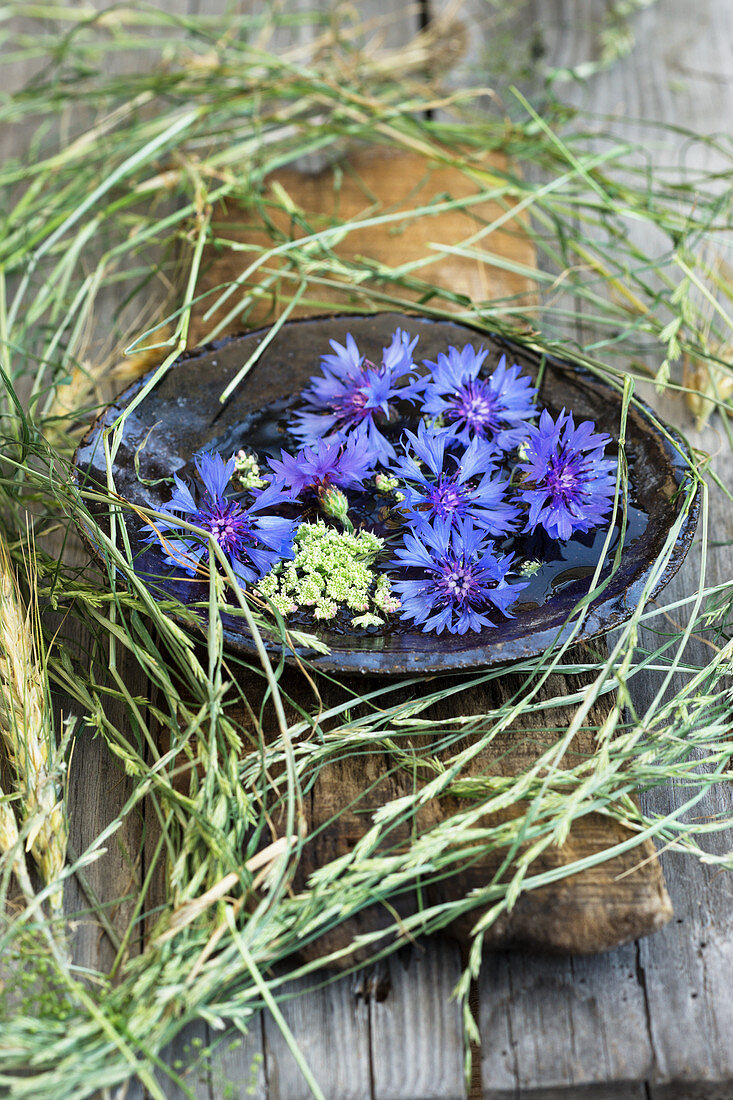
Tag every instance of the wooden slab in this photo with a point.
(374, 182)
(594, 910)
(651, 1020)
(605, 905)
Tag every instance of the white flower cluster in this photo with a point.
(247, 471)
(387, 485)
(331, 570)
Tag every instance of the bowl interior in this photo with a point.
(183, 414)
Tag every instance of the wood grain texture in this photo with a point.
(542, 1022)
(370, 183)
(660, 1026)
(98, 789)
(410, 1013)
(238, 1065)
(331, 1025)
(184, 1056)
(650, 1020)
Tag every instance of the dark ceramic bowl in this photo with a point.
(183, 414)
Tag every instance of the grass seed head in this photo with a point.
(26, 731)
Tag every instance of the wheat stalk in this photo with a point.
(10, 845)
(26, 730)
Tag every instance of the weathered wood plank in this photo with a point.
(186, 1055)
(98, 789)
(386, 1033)
(561, 1021)
(238, 1065)
(622, 1090)
(331, 1027)
(676, 993)
(416, 1041)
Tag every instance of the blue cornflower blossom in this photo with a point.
(452, 486)
(495, 408)
(354, 396)
(567, 482)
(461, 579)
(252, 541)
(347, 465)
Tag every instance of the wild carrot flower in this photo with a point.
(494, 408)
(459, 579)
(356, 396)
(567, 482)
(452, 486)
(251, 539)
(332, 571)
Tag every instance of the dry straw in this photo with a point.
(27, 732)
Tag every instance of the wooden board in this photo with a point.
(591, 911)
(651, 1020)
(588, 912)
(372, 182)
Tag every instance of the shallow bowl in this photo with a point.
(183, 414)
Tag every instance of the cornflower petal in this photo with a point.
(214, 471)
(276, 532)
(429, 446)
(494, 408)
(182, 500)
(461, 579)
(347, 359)
(454, 486)
(478, 458)
(567, 482)
(397, 358)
